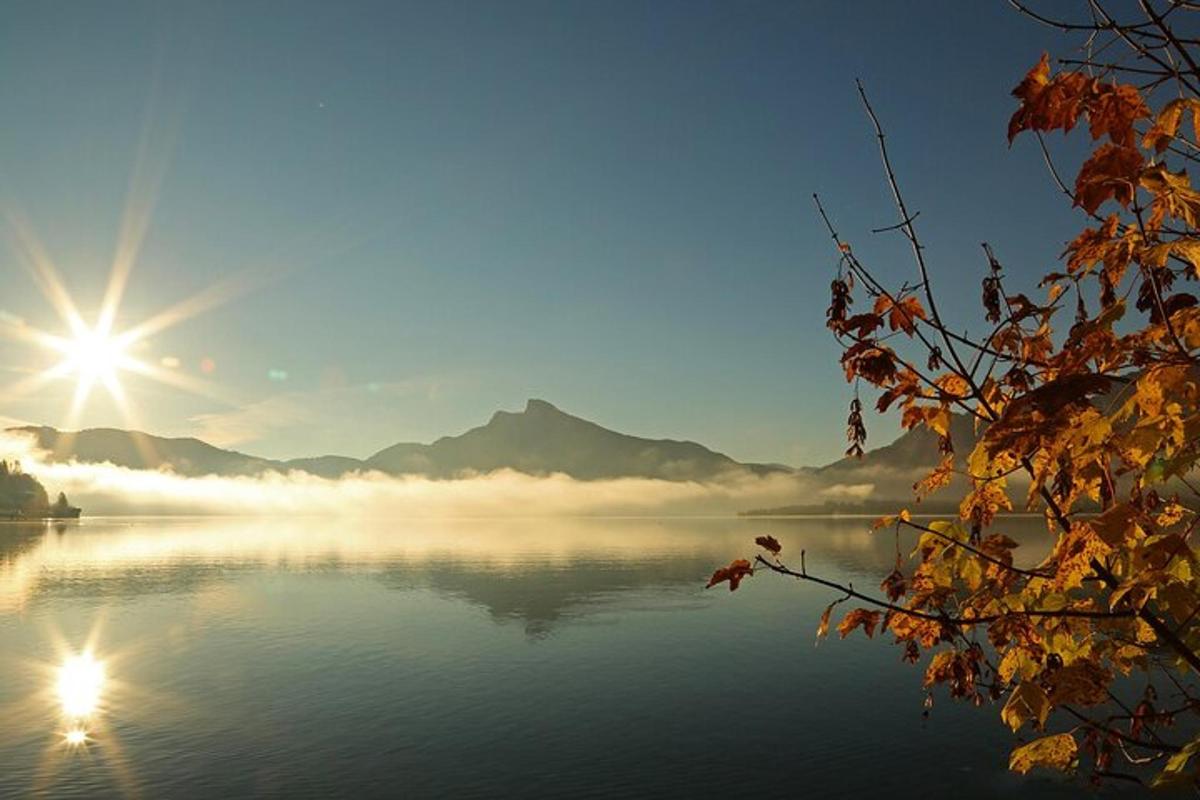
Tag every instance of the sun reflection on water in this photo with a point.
(75, 737)
(80, 682)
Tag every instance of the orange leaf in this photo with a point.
(1166, 125)
(823, 625)
(733, 573)
(1113, 110)
(859, 617)
(1111, 173)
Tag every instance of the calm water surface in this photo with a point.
(483, 658)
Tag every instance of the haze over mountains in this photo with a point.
(539, 440)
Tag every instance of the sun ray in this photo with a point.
(205, 300)
(39, 264)
(21, 331)
(188, 383)
(155, 144)
(36, 381)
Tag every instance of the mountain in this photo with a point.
(137, 450)
(539, 440)
(542, 439)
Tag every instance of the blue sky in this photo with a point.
(462, 205)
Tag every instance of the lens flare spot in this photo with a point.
(75, 737)
(80, 681)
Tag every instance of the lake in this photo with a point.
(470, 658)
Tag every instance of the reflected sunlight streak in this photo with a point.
(80, 684)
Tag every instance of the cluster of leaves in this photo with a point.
(1092, 415)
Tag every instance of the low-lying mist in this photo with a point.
(104, 488)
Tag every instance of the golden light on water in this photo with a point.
(75, 737)
(80, 684)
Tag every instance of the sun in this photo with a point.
(98, 354)
(95, 355)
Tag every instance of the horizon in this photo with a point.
(406, 231)
(13, 425)
(512, 398)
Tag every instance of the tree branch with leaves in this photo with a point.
(1091, 394)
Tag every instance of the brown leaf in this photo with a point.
(769, 543)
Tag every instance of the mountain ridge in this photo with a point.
(539, 440)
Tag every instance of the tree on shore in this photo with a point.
(1088, 390)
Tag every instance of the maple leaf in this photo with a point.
(941, 476)
(1056, 752)
(734, 573)
(859, 617)
(1082, 683)
(1049, 103)
(1173, 196)
(1028, 91)
(1113, 109)
(902, 315)
(769, 543)
(1026, 703)
(1166, 125)
(1111, 173)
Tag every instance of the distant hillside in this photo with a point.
(138, 450)
(882, 480)
(542, 439)
(538, 440)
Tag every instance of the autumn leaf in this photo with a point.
(1049, 103)
(1112, 173)
(823, 625)
(769, 543)
(1166, 124)
(1113, 109)
(1027, 703)
(941, 476)
(1173, 196)
(859, 617)
(902, 315)
(1055, 752)
(734, 573)
(1080, 684)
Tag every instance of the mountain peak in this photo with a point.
(536, 406)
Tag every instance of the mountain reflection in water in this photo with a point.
(466, 658)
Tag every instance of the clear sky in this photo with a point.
(448, 207)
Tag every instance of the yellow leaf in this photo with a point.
(1027, 702)
(1056, 752)
(1017, 663)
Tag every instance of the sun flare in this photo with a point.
(95, 354)
(91, 354)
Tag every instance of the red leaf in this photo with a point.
(734, 573)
